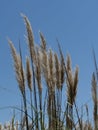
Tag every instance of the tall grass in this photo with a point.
(52, 83)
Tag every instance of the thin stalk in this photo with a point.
(50, 108)
(40, 105)
(21, 116)
(31, 107)
(60, 106)
(24, 93)
(25, 109)
(44, 107)
(35, 97)
(78, 116)
(54, 114)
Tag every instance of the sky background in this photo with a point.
(73, 22)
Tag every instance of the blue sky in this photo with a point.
(73, 22)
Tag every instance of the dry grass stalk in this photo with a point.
(38, 79)
(46, 73)
(29, 81)
(30, 37)
(75, 83)
(20, 76)
(62, 79)
(51, 89)
(57, 72)
(32, 51)
(45, 66)
(68, 63)
(51, 70)
(29, 73)
(62, 73)
(71, 81)
(95, 101)
(38, 70)
(43, 41)
(17, 65)
(62, 63)
(87, 112)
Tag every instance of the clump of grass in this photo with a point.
(48, 72)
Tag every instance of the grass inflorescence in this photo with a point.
(53, 86)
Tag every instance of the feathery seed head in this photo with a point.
(68, 63)
(58, 71)
(29, 73)
(18, 67)
(30, 37)
(38, 70)
(43, 41)
(51, 69)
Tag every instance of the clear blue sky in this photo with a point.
(73, 22)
